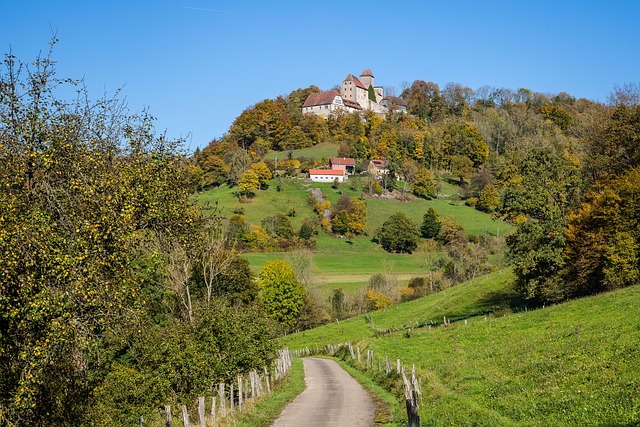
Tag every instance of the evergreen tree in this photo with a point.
(431, 224)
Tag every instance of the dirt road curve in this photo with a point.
(332, 398)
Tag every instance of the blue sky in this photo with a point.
(197, 64)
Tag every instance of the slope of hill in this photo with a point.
(338, 263)
(569, 364)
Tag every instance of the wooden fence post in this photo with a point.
(239, 393)
(411, 402)
(231, 403)
(266, 374)
(167, 410)
(223, 401)
(185, 415)
(213, 410)
(203, 422)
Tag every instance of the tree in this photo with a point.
(423, 185)
(603, 240)
(464, 139)
(372, 94)
(349, 216)
(488, 200)
(263, 173)
(281, 295)
(431, 224)
(278, 225)
(249, 183)
(424, 100)
(87, 187)
(399, 234)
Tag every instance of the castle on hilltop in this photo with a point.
(356, 94)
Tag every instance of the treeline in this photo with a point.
(117, 296)
(563, 169)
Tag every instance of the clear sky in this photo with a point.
(197, 64)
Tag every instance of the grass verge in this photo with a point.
(266, 410)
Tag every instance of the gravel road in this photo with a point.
(332, 398)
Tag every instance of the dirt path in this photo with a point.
(364, 278)
(332, 398)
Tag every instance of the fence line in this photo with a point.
(229, 395)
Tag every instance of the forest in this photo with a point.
(118, 294)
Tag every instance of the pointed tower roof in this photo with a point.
(366, 73)
(355, 80)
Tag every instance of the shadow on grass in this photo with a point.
(497, 303)
(501, 301)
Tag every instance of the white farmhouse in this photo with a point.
(327, 175)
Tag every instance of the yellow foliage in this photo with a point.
(377, 300)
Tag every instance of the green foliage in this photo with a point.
(602, 237)
(431, 224)
(86, 189)
(399, 234)
(172, 365)
(372, 94)
(308, 229)
(281, 295)
(423, 184)
(278, 225)
(536, 251)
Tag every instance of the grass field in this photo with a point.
(574, 364)
(320, 151)
(487, 294)
(337, 261)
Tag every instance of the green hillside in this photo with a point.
(338, 263)
(573, 364)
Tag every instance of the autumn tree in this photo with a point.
(603, 241)
(262, 172)
(424, 100)
(249, 183)
(85, 185)
(349, 216)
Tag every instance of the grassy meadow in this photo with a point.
(574, 364)
(339, 263)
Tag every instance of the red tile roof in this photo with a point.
(396, 100)
(348, 161)
(379, 163)
(356, 81)
(352, 104)
(367, 72)
(321, 98)
(326, 172)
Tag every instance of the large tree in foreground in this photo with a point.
(84, 185)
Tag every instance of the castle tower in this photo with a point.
(367, 78)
